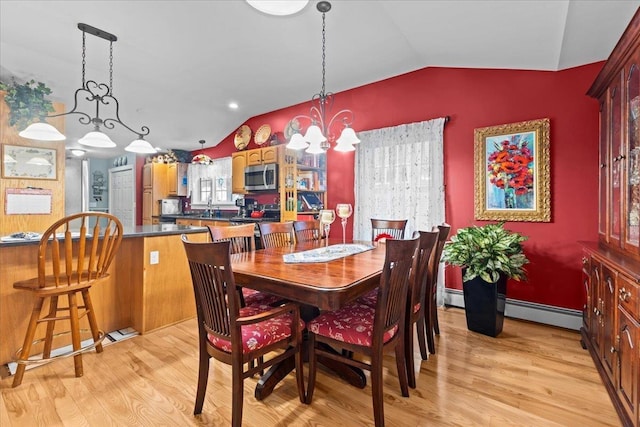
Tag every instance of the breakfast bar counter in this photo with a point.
(149, 286)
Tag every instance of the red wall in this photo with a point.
(475, 98)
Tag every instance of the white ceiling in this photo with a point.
(177, 64)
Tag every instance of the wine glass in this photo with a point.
(344, 211)
(327, 216)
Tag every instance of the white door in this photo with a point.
(122, 195)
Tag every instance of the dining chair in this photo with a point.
(307, 230)
(416, 309)
(241, 238)
(359, 328)
(233, 334)
(431, 314)
(74, 254)
(388, 228)
(276, 234)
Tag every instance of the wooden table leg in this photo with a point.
(350, 374)
(272, 377)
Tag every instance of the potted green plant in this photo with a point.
(488, 255)
(26, 102)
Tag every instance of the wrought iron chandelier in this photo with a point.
(102, 95)
(319, 136)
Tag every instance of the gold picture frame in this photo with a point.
(29, 162)
(512, 172)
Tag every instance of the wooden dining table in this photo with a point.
(316, 286)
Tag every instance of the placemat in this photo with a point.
(326, 254)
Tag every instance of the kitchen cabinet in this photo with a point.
(611, 266)
(147, 205)
(177, 179)
(238, 163)
(262, 156)
(189, 221)
(154, 188)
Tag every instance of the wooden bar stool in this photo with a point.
(72, 256)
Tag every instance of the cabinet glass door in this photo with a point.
(605, 166)
(633, 166)
(617, 147)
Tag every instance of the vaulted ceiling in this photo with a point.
(178, 64)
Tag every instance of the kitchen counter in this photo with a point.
(131, 232)
(149, 284)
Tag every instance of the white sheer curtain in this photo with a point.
(399, 174)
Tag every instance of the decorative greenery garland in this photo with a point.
(26, 102)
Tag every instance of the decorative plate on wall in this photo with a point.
(262, 134)
(242, 138)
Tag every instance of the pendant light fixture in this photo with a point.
(102, 95)
(319, 135)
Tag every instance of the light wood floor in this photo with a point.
(531, 375)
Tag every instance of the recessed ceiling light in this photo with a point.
(278, 7)
(233, 105)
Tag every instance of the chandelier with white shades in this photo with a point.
(319, 135)
(102, 95)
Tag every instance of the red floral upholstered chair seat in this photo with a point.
(253, 297)
(258, 335)
(371, 299)
(352, 324)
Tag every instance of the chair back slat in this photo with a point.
(241, 238)
(83, 256)
(212, 278)
(277, 234)
(393, 227)
(418, 280)
(111, 241)
(434, 263)
(307, 230)
(394, 284)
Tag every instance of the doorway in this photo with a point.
(122, 195)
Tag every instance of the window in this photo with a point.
(211, 183)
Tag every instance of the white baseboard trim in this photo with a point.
(534, 312)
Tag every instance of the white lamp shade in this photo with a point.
(348, 136)
(314, 135)
(97, 139)
(314, 148)
(42, 132)
(77, 152)
(297, 142)
(278, 7)
(140, 146)
(344, 146)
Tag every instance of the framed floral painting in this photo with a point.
(512, 172)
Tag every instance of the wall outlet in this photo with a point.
(154, 257)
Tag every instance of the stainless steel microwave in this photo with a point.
(261, 177)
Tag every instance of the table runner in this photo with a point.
(326, 254)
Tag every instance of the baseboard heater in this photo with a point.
(525, 310)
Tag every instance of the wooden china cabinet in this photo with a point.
(611, 266)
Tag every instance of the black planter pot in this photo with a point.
(484, 305)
